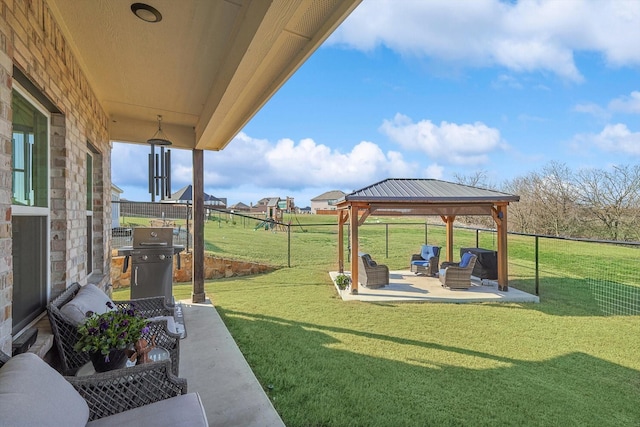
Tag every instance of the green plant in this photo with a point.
(116, 329)
(343, 281)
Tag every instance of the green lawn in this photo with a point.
(325, 362)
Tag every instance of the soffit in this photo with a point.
(207, 67)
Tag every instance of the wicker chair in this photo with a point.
(371, 274)
(65, 331)
(142, 395)
(426, 262)
(458, 275)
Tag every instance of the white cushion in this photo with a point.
(32, 393)
(89, 298)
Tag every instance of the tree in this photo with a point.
(612, 198)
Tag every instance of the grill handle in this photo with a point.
(135, 276)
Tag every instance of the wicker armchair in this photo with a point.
(458, 275)
(145, 384)
(426, 262)
(33, 393)
(371, 274)
(65, 331)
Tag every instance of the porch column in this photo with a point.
(353, 221)
(198, 227)
(500, 217)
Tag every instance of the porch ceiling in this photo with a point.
(207, 67)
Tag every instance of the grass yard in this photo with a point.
(325, 362)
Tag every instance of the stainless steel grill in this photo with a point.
(152, 262)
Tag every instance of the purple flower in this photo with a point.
(145, 330)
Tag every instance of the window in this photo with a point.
(30, 157)
(30, 208)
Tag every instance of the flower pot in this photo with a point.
(115, 360)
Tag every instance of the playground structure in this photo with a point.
(274, 214)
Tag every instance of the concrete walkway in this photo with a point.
(214, 367)
(407, 286)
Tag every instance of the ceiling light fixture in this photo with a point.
(159, 138)
(146, 13)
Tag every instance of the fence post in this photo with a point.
(289, 245)
(386, 226)
(477, 238)
(537, 269)
(426, 234)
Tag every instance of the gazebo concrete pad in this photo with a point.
(405, 286)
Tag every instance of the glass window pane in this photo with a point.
(30, 154)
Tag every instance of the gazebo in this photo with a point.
(415, 197)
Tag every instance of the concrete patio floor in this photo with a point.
(214, 367)
(405, 286)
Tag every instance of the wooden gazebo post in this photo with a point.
(353, 221)
(342, 219)
(448, 220)
(499, 214)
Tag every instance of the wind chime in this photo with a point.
(159, 165)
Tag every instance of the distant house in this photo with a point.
(185, 195)
(326, 201)
(240, 207)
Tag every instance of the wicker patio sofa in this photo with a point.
(458, 275)
(32, 393)
(371, 274)
(426, 262)
(80, 299)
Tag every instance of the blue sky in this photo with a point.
(430, 89)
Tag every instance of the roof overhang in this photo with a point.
(207, 67)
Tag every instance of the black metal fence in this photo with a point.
(603, 272)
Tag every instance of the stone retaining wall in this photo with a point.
(214, 268)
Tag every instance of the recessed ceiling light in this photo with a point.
(146, 13)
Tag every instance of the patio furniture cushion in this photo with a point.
(464, 261)
(89, 298)
(32, 393)
(183, 410)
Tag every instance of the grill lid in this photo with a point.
(152, 237)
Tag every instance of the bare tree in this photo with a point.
(476, 179)
(612, 198)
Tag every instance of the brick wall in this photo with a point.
(31, 41)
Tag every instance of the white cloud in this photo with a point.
(626, 104)
(524, 36)
(616, 138)
(434, 171)
(465, 144)
(593, 109)
(284, 167)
